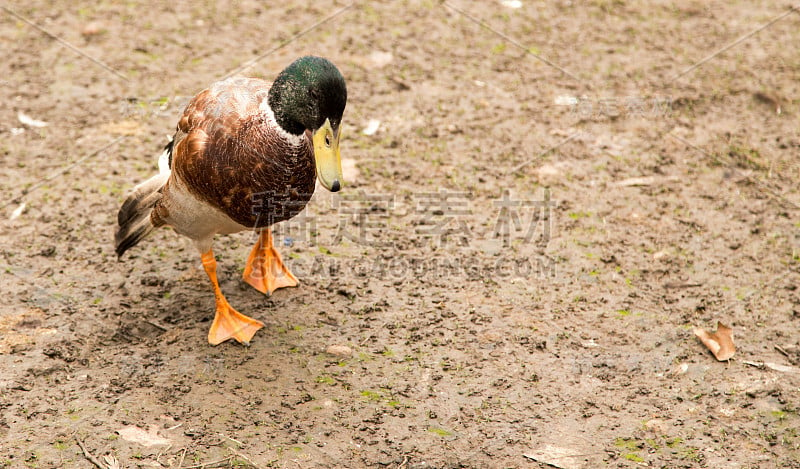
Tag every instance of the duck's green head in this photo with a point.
(310, 96)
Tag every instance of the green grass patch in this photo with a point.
(633, 457)
(372, 395)
(440, 431)
(325, 380)
(579, 215)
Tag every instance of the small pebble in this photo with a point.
(660, 255)
(91, 29)
(339, 350)
(656, 425)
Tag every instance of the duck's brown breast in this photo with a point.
(232, 154)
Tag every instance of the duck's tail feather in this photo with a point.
(134, 217)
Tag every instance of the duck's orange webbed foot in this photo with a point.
(231, 324)
(228, 323)
(265, 269)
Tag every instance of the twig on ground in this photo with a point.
(89, 455)
(682, 285)
(209, 465)
(160, 453)
(226, 437)
(156, 325)
(781, 350)
(183, 455)
(249, 461)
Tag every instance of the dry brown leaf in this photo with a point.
(124, 127)
(556, 456)
(339, 350)
(644, 181)
(781, 368)
(773, 366)
(720, 342)
(769, 99)
(111, 462)
(19, 331)
(149, 437)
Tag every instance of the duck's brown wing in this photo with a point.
(230, 153)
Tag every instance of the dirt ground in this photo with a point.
(555, 196)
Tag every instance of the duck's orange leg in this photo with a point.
(228, 323)
(265, 270)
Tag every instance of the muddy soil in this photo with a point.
(543, 200)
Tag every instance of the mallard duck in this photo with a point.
(245, 155)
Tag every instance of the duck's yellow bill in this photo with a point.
(327, 157)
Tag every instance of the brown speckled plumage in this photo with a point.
(231, 157)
